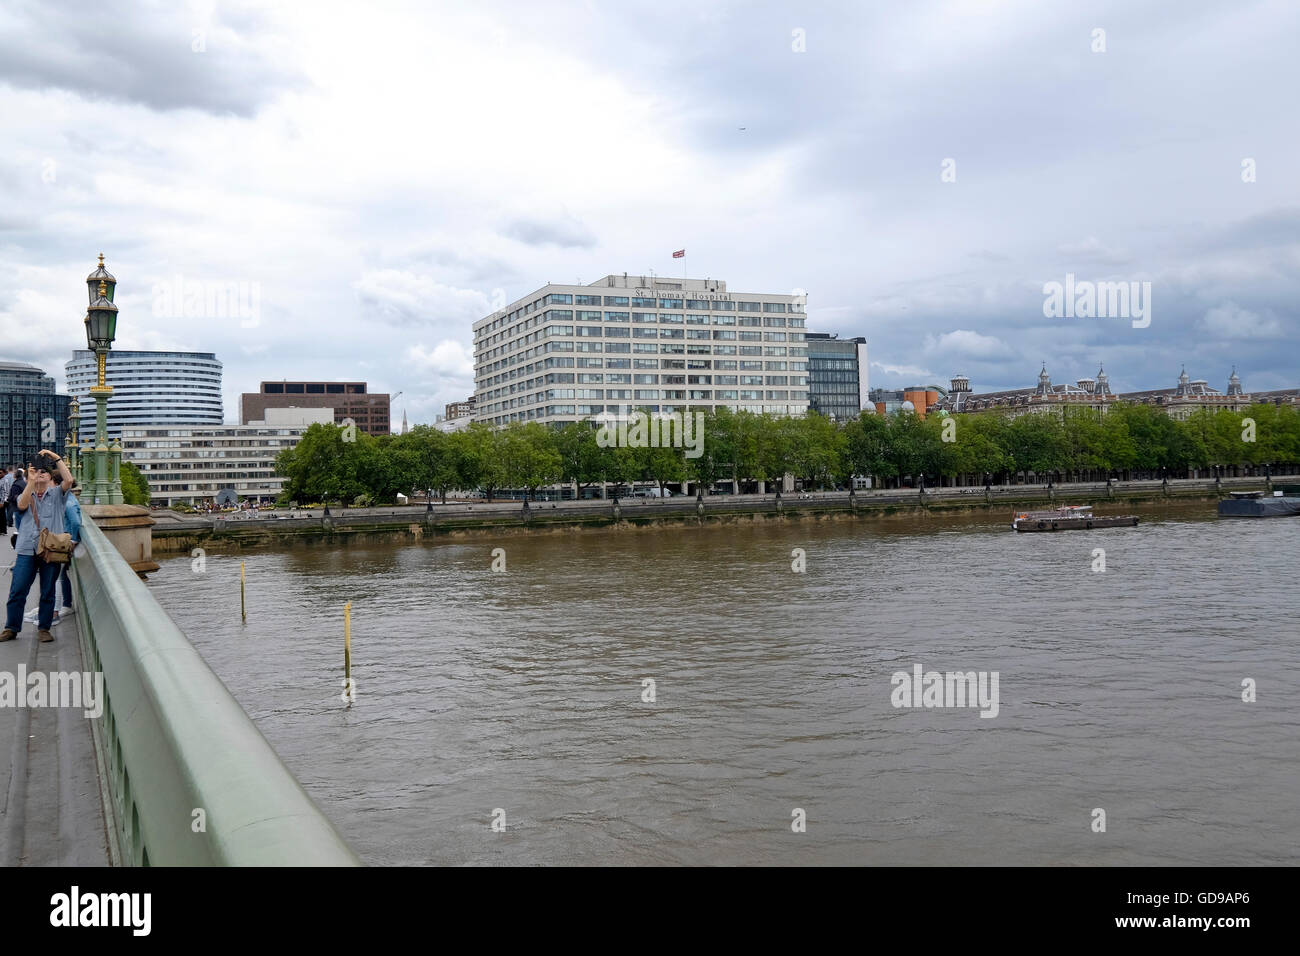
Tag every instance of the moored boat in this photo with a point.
(1283, 503)
(1068, 518)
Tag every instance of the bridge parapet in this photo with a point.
(172, 741)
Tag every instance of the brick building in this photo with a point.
(369, 411)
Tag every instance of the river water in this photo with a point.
(522, 691)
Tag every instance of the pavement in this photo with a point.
(51, 812)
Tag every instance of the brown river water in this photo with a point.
(522, 691)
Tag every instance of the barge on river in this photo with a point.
(1069, 517)
(1255, 504)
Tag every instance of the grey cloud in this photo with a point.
(144, 54)
(565, 232)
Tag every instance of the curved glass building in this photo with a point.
(152, 389)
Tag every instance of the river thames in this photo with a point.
(524, 691)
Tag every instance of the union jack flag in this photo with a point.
(679, 254)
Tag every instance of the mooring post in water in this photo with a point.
(243, 608)
(347, 650)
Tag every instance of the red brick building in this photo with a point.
(369, 411)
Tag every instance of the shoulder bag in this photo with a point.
(50, 547)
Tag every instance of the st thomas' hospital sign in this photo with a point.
(688, 293)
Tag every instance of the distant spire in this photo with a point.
(404, 428)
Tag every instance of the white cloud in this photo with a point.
(969, 344)
(907, 371)
(448, 358)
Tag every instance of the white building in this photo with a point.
(195, 463)
(149, 389)
(567, 352)
(458, 424)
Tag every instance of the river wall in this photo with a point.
(459, 519)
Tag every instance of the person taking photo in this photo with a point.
(47, 498)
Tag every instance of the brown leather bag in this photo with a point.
(50, 547)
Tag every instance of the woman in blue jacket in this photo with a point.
(71, 524)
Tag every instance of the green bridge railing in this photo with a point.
(173, 741)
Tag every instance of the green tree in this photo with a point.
(582, 460)
(480, 461)
(981, 445)
(135, 488)
(773, 445)
(1037, 443)
(868, 447)
(529, 456)
(323, 466)
(817, 448)
(711, 464)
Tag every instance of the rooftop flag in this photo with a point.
(679, 254)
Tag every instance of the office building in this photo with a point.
(567, 352)
(463, 409)
(369, 411)
(155, 389)
(194, 464)
(32, 415)
(837, 375)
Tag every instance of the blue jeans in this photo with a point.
(26, 569)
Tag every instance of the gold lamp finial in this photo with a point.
(101, 260)
(103, 289)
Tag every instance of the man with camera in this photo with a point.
(42, 505)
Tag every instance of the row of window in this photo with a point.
(725, 335)
(653, 318)
(580, 411)
(485, 378)
(643, 302)
(652, 302)
(513, 384)
(692, 394)
(520, 337)
(612, 378)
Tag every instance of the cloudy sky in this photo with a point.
(369, 178)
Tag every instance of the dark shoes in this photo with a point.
(7, 635)
(45, 636)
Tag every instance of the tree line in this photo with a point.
(333, 463)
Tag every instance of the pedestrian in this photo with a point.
(11, 504)
(72, 525)
(47, 498)
(6, 482)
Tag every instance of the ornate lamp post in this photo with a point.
(70, 446)
(105, 486)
